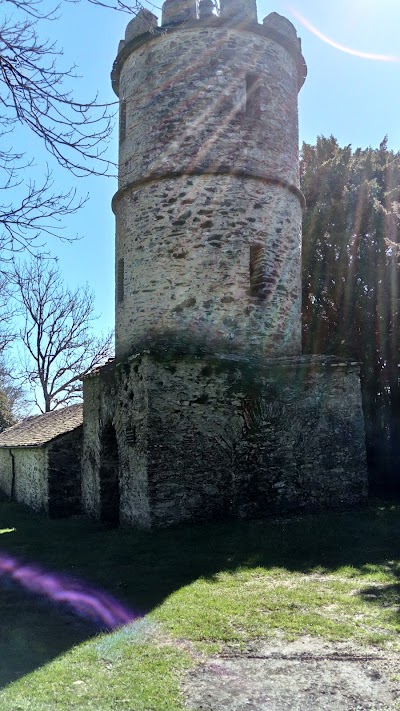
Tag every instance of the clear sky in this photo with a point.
(352, 50)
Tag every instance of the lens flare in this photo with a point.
(97, 606)
(341, 47)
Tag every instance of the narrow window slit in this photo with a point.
(122, 120)
(257, 271)
(131, 435)
(120, 280)
(253, 96)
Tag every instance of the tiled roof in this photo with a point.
(38, 430)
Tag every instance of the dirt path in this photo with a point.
(305, 675)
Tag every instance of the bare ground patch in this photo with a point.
(303, 675)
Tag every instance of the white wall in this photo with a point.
(31, 479)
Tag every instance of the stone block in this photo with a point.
(144, 21)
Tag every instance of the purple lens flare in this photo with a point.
(83, 600)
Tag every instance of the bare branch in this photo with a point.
(57, 334)
(36, 97)
(35, 93)
(130, 8)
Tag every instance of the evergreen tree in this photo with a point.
(6, 418)
(351, 280)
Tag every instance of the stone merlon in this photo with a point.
(143, 22)
(174, 11)
(281, 24)
(239, 10)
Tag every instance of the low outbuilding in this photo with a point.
(40, 461)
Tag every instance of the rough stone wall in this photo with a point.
(5, 472)
(188, 105)
(31, 486)
(209, 171)
(222, 438)
(187, 271)
(117, 396)
(90, 487)
(249, 442)
(64, 474)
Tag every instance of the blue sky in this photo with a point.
(352, 97)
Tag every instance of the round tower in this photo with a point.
(208, 210)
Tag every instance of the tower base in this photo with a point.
(169, 439)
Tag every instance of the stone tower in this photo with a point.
(209, 409)
(208, 210)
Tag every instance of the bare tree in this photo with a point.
(35, 96)
(57, 337)
(131, 8)
(38, 98)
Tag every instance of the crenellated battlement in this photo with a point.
(177, 15)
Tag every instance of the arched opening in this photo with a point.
(109, 478)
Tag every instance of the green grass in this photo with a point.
(141, 678)
(198, 589)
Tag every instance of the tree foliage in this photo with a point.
(351, 296)
(58, 342)
(14, 399)
(6, 417)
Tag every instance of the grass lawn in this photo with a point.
(196, 590)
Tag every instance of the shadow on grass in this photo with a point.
(142, 568)
(385, 595)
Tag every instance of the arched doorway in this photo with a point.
(109, 477)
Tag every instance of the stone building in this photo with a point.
(209, 409)
(40, 462)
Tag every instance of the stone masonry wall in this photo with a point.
(221, 438)
(209, 209)
(189, 105)
(64, 473)
(234, 440)
(5, 472)
(30, 485)
(187, 266)
(118, 397)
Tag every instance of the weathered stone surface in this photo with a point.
(46, 478)
(206, 8)
(117, 397)
(187, 107)
(187, 270)
(178, 11)
(30, 476)
(64, 474)
(239, 10)
(144, 21)
(208, 169)
(6, 472)
(218, 438)
(281, 24)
